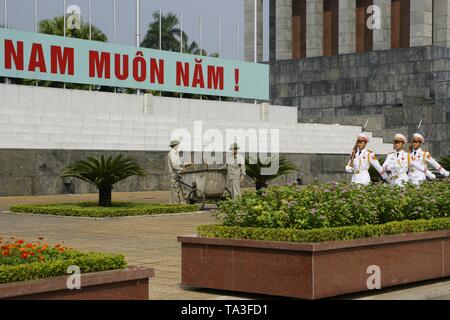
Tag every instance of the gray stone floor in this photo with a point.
(152, 241)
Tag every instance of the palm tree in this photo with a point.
(170, 33)
(55, 27)
(104, 173)
(261, 181)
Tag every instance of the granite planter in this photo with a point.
(131, 283)
(313, 270)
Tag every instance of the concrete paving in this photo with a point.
(151, 241)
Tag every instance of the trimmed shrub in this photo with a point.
(91, 209)
(336, 205)
(324, 234)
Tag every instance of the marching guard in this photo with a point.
(361, 160)
(423, 158)
(399, 163)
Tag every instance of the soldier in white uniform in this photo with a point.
(399, 163)
(175, 165)
(419, 156)
(235, 171)
(362, 160)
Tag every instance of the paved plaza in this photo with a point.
(151, 241)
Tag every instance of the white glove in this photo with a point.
(446, 174)
(432, 176)
(349, 169)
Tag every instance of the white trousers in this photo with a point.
(363, 177)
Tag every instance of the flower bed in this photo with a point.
(38, 271)
(91, 209)
(320, 241)
(21, 261)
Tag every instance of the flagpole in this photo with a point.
(65, 27)
(220, 49)
(181, 33)
(201, 41)
(138, 28)
(114, 21)
(181, 39)
(138, 9)
(114, 28)
(255, 39)
(6, 27)
(6, 15)
(90, 20)
(160, 27)
(237, 40)
(35, 27)
(35, 17)
(220, 45)
(255, 35)
(201, 36)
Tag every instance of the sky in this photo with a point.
(21, 17)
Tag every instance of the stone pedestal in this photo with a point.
(347, 26)
(421, 29)
(314, 28)
(283, 28)
(441, 23)
(382, 36)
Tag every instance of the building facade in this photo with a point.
(343, 61)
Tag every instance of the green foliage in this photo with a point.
(87, 262)
(55, 27)
(104, 173)
(445, 162)
(90, 209)
(324, 234)
(254, 171)
(336, 205)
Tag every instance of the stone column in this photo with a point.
(421, 29)
(382, 36)
(347, 26)
(441, 23)
(283, 27)
(314, 28)
(249, 27)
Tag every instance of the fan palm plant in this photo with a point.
(104, 173)
(254, 171)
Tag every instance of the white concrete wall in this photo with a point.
(49, 118)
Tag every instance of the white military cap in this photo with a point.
(363, 137)
(418, 136)
(400, 137)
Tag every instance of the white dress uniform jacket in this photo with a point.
(423, 158)
(399, 163)
(360, 167)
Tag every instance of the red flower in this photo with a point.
(24, 256)
(20, 241)
(29, 245)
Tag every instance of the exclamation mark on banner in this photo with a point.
(236, 79)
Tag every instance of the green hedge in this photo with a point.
(324, 234)
(87, 262)
(90, 209)
(336, 205)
